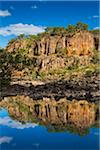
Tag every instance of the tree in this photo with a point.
(35, 37)
(21, 36)
(96, 31)
(11, 41)
(5, 69)
(55, 30)
(81, 26)
(71, 28)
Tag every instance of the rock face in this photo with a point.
(31, 46)
(81, 43)
(81, 114)
(51, 62)
(96, 41)
(54, 52)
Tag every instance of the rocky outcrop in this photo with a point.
(54, 57)
(81, 43)
(27, 44)
(74, 87)
(97, 41)
(51, 63)
(56, 51)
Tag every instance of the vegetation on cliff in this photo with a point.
(57, 54)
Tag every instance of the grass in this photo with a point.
(88, 70)
(42, 75)
(34, 75)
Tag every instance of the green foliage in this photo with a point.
(96, 57)
(89, 73)
(65, 31)
(35, 37)
(34, 75)
(68, 128)
(81, 26)
(42, 75)
(5, 69)
(21, 36)
(20, 59)
(55, 30)
(96, 31)
(61, 52)
(1, 49)
(22, 52)
(11, 41)
(71, 29)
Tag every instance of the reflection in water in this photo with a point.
(15, 124)
(57, 116)
(5, 139)
(48, 124)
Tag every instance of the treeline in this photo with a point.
(19, 59)
(68, 31)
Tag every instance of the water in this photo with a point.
(31, 136)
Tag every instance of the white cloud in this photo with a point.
(5, 139)
(34, 7)
(7, 121)
(96, 132)
(17, 29)
(96, 28)
(95, 16)
(4, 13)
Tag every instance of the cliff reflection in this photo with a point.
(58, 116)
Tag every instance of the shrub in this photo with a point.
(42, 75)
(34, 75)
(89, 73)
(11, 41)
(96, 58)
(61, 52)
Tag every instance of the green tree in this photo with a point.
(11, 41)
(5, 69)
(21, 36)
(71, 28)
(81, 26)
(55, 30)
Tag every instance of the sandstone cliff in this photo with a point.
(69, 58)
(81, 43)
(51, 52)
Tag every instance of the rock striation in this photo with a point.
(81, 43)
(56, 51)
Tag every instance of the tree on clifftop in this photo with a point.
(55, 30)
(81, 26)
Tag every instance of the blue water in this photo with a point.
(17, 136)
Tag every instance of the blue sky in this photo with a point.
(32, 17)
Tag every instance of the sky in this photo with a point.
(32, 17)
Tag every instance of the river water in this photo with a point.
(31, 136)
